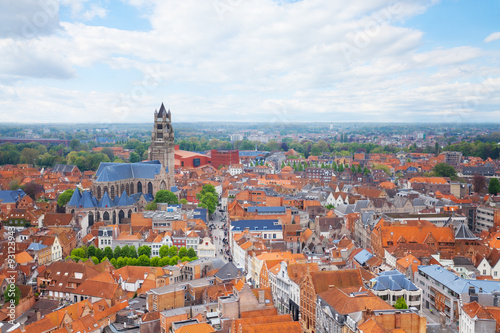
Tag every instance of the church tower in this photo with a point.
(162, 142)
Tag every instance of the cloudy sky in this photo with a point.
(250, 60)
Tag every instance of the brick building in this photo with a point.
(224, 157)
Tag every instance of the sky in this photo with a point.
(116, 61)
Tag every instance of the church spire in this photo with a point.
(163, 111)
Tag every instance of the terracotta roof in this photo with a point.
(196, 328)
(349, 300)
(323, 280)
(54, 219)
(474, 309)
(289, 327)
(23, 258)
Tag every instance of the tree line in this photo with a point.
(129, 256)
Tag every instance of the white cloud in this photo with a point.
(316, 60)
(29, 19)
(492, 37)
(84, 9)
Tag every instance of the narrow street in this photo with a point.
(218, 234)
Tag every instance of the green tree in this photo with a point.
(151, 206)
(182, 252)
(174, 260)
(99, 254)
(401, 304)
(12, 293)
(330, 207)
(144, 250)
(29, 155)
(113, 262)
(166, 196)
(121, 262)
(134, 157)
(184, 259)
(444, 170)
(494, 186)
(108, 152)
(209, 201)
(117, 252)
(191, 253)
(172, 251)
(143, 260)
(78, 252)
(154, 262)
(104, 259)
(164, 251)
(165, 261)
(14, 184)
(132, 252)
(108, 252)
(183, 201)
(91, 251)
(95, 260)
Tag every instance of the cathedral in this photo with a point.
(119, 189)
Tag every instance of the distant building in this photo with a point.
(236, 137)
(189, 159)
(452, 157)
(224, 157)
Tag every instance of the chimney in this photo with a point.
(261, 297)
(397, 318)
(38, 315)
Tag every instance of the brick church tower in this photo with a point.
(162, 142)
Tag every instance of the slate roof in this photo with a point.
(123, 200)
(464, 233)
(363, 256)
(75, 198)
(228, 272)
(111, 172)
(11, 196)
(253, 225)
(163, 111)
(36, 246)
(267, 210)
(63, 168)
(456, 283)
(106, 201)
(393, 280)
(200, 213)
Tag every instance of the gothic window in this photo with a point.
(131, 188)
(150, 188)
(127, 189)
(99, 192)
(112, 194)
(139, 187)
(121, 215)
(105, 216)
(122, 188)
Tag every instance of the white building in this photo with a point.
(393, 285)
(235, 169)
(206, 249)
